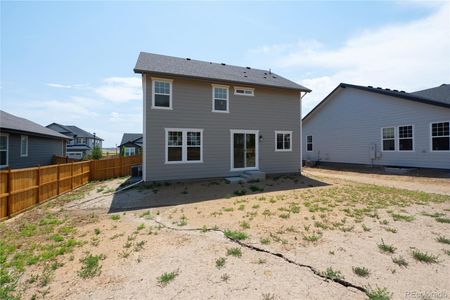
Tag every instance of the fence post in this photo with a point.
(91, 170)
(57, 178)
(38, 182)
(8, 190)
(71, 176)
(121, 166)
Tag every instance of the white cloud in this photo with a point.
(409, 56)
(58, 85)
(120, 89)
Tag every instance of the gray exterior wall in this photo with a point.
(269, 110)
(344, 128)
(40, 150)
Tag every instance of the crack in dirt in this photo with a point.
(316, 272)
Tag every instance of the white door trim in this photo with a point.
(244, 131)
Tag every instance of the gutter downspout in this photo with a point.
(301, 132)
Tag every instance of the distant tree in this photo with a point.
(96, 152)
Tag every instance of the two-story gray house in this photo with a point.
(81, 142)
(204, 119)
(24, 143)
(380, 127)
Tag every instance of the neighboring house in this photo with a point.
(26, 144)
(204, 119)
(82, 141)
(131, 144)
(375, 126)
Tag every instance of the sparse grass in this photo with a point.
(400, 261)
(261, 261)
(361, 271)
(365, 227)
(443, 220)
(225, 277)
(268, 296)
(236, 252)
(167, 277)
(333, 274)
(140, 227)
(264, 241)
(244, 225)
(228, 209)
(378, 293)
(284, 215)
(312, 237)
(220, 262)
(390, 229)
(97, 231)
(400, 217)
(90, 266)
(443, 240)
(425, 257)
(235, 235)
(386, 247)
(183, 221)
(115, 217)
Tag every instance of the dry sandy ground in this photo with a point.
(414, 183)
(349, 221)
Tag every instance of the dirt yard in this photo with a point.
(319, 236)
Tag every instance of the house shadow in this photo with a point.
(157, 195)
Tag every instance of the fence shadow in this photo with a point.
(144, 196)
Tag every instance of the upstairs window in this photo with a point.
(388, 135)
(3, 149)
(23, 145)
(440, 136)
(184, 145)
(244, 91)
(405, 138)
(283, 141)
(309, 143)
(162, 93)
(220, 99)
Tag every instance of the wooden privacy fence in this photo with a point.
(23, 188)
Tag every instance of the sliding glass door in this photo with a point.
(244, 149)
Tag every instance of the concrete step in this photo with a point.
(254, 175)
(236, 179)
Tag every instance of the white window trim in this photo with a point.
(228, 98)
(431, 137)
(129, 154)
(413, 138)
(183, 146)
(276, 142)
(244, 131)
(7, 148)
(395, 139)
(312, 143)
(245, 89)
(170, 81)
(21, 153)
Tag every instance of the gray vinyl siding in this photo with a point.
(344, 128)
(269, 110)
(40, 151)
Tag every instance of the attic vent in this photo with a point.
(223, 64)
(370, 86)
(402, 92)
(395, 90)
(378, 87)
(187, 58)
(274, 76)
(245, 76)
(265, 73)
(265, 77)
(387, 89)
(248, 68)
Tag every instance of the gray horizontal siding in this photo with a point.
(344, 128)
(40, 151)
(269, 110)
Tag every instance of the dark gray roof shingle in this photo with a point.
(130, 137)
(12, 122)
(71, 130)
(440, 93)
(169, 65)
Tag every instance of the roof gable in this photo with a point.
(131, 138)
(169, 65)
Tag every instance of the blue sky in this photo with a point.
(72, 62)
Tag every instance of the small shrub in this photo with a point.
(443, 220)
(312, 237)
(333, 274)
(183, 221)
(386, 247)
(115, 217)
(378, 294)
(166, 278)
(220, 262)
(425, 257)
(140, 227)
(361, 271)
(91, 266)
(235, 235)
(236, 252)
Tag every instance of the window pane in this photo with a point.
(250, 150)
(174, 154)
(193, 138)
(388, 133)
(287, 141)
(388, 145)
(220, 93)
(279, 141)
(441, 143)
(3, 142)
(3, 158)
(309, 147)
(405, 132)
(193, 153)
(238, 150)
(309, 139)
(175, 138)
(162, 100)
(220, 105)
(440, 129)
(162, 87)
(405, 144)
